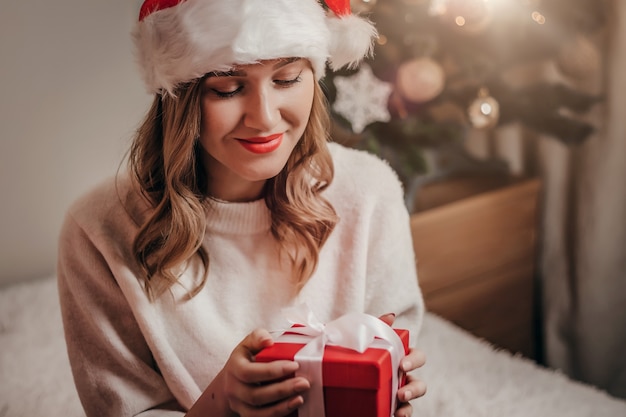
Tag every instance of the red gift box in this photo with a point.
(355, 384)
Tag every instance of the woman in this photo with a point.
(235, 207)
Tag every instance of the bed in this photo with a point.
(466, 376)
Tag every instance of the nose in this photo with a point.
(262, 109)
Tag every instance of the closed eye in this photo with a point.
(289, 82)
(231, 89)
(226, 94)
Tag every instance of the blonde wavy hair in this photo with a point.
(165, 163)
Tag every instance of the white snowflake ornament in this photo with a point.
(362, 98)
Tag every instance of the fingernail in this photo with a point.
(295, 402)
(301, 385)
(408, 395)
(291, 367)
(406, 366)
(267, 342)
(422, 388)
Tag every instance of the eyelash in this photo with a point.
(287, 83)
(280, 83)
(228, 94)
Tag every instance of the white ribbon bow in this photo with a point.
(354, 331)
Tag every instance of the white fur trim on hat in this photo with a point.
(181, 42)
(351, 40)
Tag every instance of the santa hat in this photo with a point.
(180, 40)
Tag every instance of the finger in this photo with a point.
(279, 409)
(248, 372)
(414, 388)
(413, 360)
(388, 318)
(404, 410)
(245, 379)
(256, 341)
(262, 395)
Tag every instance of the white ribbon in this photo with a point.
(354, 331)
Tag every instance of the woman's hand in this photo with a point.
(252, 389)
(413, 388)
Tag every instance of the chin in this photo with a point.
(263, 175)
(270, 168)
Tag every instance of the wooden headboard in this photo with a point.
(476, 260)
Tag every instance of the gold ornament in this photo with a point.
(484, 111)
(420, 80)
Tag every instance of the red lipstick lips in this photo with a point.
(264, 144)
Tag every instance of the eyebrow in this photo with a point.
(240, 73)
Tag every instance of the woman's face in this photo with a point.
(252, 118)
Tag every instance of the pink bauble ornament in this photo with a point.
(579, 58)
(420, 80)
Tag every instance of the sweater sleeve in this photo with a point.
(112, 365)
(391, 267)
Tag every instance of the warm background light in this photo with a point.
(538, 17)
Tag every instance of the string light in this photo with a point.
(538, 17)
(437, 7)
(442, 7)
(486, 109)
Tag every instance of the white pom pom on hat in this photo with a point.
(177, 41)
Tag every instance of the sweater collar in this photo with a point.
(237, 218)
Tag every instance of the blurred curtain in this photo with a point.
(583, 251)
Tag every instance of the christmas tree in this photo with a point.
(441, 66)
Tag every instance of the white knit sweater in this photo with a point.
(130, 356)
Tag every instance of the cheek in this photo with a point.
(216, 120)
(305, 107)
(301, 106)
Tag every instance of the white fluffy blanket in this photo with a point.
(466, 377)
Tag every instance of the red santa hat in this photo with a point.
(180, 40)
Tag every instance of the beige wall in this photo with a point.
(70, 97)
